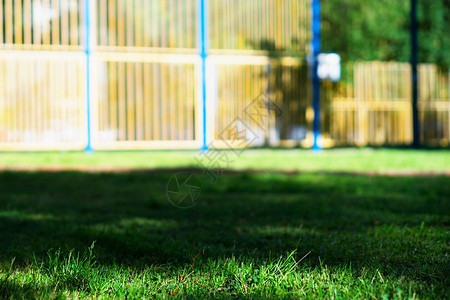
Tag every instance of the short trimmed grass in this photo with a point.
(262, 235)
(289, 159)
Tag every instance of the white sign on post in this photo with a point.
(329, 66)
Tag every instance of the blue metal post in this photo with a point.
(88, 51)
(315, 77)
(203, 48)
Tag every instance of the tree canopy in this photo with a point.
(380, 30)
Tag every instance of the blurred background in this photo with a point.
(116, 74)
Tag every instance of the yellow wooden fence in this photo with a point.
(41, 101)
(145, 76)
(42, 75)
(144, 69)
(372, 105)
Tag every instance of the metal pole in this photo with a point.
(414, 49)
(88, 51)
(315, 77)
(203, 45)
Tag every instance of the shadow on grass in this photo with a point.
(398, 225)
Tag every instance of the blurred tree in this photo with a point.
(379, 30)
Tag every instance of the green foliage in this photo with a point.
(434, 20)
(379, 30)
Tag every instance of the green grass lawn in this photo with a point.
(293, 159)
(263, 235)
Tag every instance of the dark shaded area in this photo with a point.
(398, 225)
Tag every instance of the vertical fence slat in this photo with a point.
(156, 87)
(9, 22)
(148, 124)
(112, 23)
(18, 22)
(139, 102)
(26, 22)
(55, 22)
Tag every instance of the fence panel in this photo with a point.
(277, 26)
(434, 105)
(372, 105)
(146, 100)
(135, 25)
(243, 87)
(290, 89)
(41, 24)
(258, 49)
(42, 100)
(146, 74)
(238, 86)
